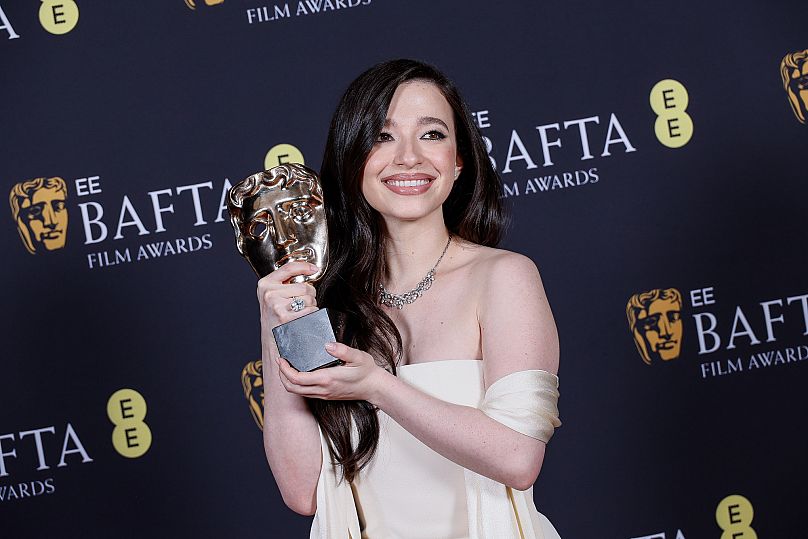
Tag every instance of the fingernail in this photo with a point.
(331, 346)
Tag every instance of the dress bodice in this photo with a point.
(408, 490)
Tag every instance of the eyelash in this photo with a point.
(440, 135)
(385, 137)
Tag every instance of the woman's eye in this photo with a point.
(434, 135)
(384, 137)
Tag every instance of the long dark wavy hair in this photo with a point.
(472, 211)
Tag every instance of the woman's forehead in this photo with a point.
(418, 102)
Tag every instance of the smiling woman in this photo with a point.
(435, 426)
(412, 168)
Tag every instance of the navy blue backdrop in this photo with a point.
(643, 147)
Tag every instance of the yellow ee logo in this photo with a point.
(673, 126)
(131, 437)
(734, 515)
(281, 154)
(58, 16)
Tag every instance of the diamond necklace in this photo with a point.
(398, 300)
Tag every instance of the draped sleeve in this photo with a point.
(527, 402)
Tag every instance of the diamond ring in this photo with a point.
(297, 304)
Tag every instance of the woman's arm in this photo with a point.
(291, 435)
(518, 333)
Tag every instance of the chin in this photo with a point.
(410, 211)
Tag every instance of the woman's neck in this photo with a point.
(411, 250)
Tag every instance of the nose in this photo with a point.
(48, 217)
(283, 237)
(408, 153)
(665, 328)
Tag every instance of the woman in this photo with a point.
(394, 442)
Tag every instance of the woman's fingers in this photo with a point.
(306, 384)
(299, 378)
(295, 289)
(345, 353)
(303, 391)
(290, 270)
(286, 290)
(352, 381)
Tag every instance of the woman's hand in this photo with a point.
(275, 294)
(359, 378)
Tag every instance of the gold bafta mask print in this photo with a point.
(278, 216)
(655, 321)
(192, 3)
(252, 382)
(38, 208)
(794, 71)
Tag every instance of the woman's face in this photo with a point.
(414, 162)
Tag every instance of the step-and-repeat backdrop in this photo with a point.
(654, 156)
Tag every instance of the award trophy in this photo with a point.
(278, 216)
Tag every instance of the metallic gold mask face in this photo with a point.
(655, 321)
(278, 216)
(794, 72)
(38, 207)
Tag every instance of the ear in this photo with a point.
(458, 166)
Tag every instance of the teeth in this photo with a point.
(407, 183)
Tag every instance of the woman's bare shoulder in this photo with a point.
(493, 265)
(513, 312)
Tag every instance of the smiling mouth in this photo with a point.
(408, 184)
(302, 255)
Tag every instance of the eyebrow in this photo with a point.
(423, 120)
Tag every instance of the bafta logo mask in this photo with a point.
(794, 71)
(278, 216)
(192, 3)
(655, 321)
(252, 383)
(38, 208)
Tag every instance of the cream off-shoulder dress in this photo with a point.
(408, 491)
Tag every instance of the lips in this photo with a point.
(666, 345)
(408, 184)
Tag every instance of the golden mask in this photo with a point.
(655, 321)
(794, 72)
(278, 216)
(38, 207)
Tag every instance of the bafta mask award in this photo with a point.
(278, 216)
